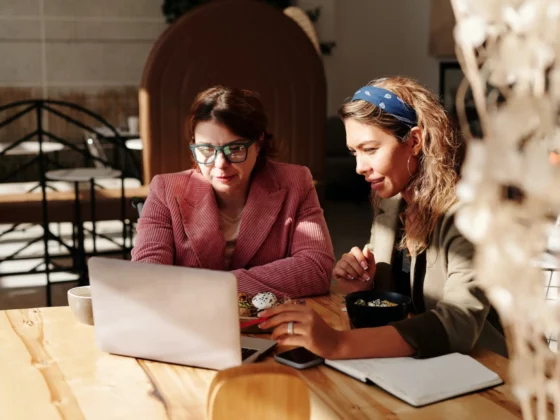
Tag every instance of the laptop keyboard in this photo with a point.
(245, 353)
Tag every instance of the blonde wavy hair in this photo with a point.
(432, 188)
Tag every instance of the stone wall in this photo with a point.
(91, 53)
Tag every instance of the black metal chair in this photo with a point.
(36, 111)
(138, 204)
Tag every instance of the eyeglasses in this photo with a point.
(234, 152)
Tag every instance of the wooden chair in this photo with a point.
(258, 391)
(239, 43)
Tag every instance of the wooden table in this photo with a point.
(50, 368)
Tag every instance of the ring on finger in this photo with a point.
(291, 328)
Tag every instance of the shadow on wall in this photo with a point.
(342, 181)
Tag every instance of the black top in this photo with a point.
(401, 265)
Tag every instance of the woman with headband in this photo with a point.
(407, 149)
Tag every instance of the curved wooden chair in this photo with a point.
(258, 391)
(239, 43)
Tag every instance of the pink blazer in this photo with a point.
(283, 244)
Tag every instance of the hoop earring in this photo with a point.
(408, 166)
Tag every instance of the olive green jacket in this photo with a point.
(453, 313)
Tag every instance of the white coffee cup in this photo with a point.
(133, 125)
(79, 300)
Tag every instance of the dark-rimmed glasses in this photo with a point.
(235, 152)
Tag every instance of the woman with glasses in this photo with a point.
(238, 210)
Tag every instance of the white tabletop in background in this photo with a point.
(107, 132)
(31, 148)
(548, 262)
(82, 174)
(134, 144)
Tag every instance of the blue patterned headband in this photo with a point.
(388, 102)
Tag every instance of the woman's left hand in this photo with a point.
(309, 329)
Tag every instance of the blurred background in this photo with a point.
(106, 86)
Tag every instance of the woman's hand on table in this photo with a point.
(355, 271)
(309, 329)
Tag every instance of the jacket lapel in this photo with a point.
(385, 225)
(384, 229)
(263, 205)
(201, 221)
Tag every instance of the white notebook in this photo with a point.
(421, 381)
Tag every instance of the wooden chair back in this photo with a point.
(258, 391)
(239, 43)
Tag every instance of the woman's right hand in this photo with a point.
(355, 271)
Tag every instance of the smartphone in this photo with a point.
(299, 358)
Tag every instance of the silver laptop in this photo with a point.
(180, 315)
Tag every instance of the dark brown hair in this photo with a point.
(240, 110)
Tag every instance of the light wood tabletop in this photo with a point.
(50, 368)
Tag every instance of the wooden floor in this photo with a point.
(28, 290)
